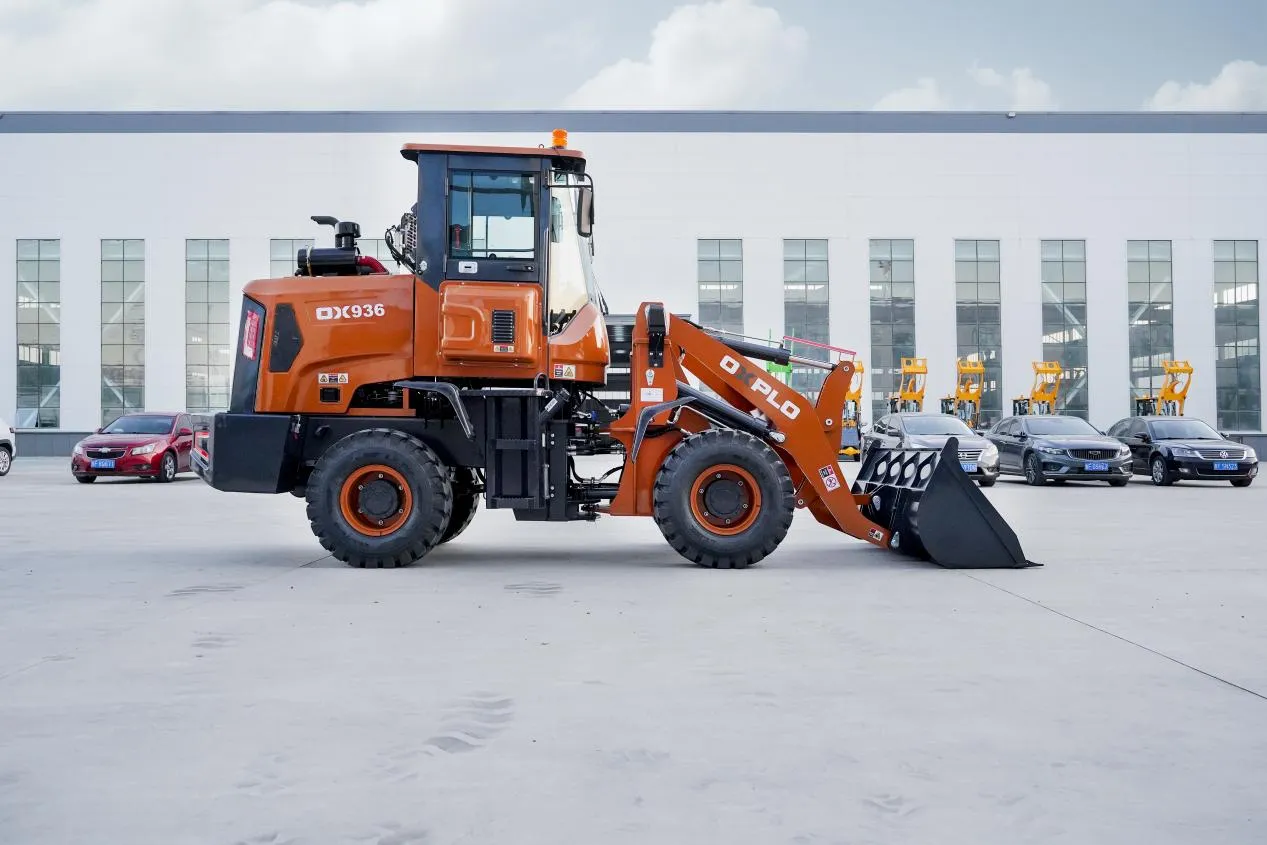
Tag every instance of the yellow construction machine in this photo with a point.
(1042, 396)
(969, 382)
(910, 395)
(851, 421)
(1170, 399)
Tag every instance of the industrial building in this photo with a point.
(1107, 242)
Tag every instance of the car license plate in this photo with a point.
(103, 463)
(967, 467)
(1225, 466)
(1097, 466)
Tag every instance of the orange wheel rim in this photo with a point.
(725, 499)
(376, 500)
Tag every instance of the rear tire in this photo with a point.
(723, 499)
(466, 501)
(379, 499)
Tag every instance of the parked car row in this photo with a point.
(1045, 448)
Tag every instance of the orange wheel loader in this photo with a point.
(393, 403)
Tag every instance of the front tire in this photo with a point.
(723, 499)
(987, 480)
(167, 468)
(1034, 470)
(1118, 482)
(1242, 482)
(6, 460)
(379, 499)
(1160, 474)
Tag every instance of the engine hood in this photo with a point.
(1080, 441)
(117, 441)
(1197, 443)
(936, 441)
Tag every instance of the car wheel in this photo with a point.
(167, 467)
(1160, 475)
(1236, 482)
(6, 460)
(1034, 471)
(987, 480)
(1118, 482)
(85, 479)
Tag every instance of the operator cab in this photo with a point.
(503, 214)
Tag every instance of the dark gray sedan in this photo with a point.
(1059, 447)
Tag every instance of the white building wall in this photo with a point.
(657, 193)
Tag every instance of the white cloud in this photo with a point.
(1239, 86)
(717, 54)
(924, 95)
(238, 53)
(1024, 90)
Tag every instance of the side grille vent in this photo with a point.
(503, 327)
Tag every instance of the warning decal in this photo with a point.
(828, 474)
(565, 371)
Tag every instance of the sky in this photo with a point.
(1074, 55)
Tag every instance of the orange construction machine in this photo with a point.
(393, 403)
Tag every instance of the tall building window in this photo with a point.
(39, 359)
(206, 325)
(805, 308)
(892, 317)
(1064, 275)
(1236, 335)
(122, 328)
(283, 254)
(721, 284)
(979, 319)
(1150, 299)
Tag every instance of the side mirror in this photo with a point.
(585, 212)
(99, 429)
(186, 432)
(1144, 438)
(1021, 435)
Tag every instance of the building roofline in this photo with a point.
(635, 121)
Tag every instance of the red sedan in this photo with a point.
(142, 445)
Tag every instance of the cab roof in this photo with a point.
(570, 159)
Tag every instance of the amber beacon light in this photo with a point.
(560, 139)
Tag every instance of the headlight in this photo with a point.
(989, 453)
(1051, 450)
(1124, 450)
(1182, 452)
(79, 448)
(145, 450)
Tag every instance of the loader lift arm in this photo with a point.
(767, 419)
(1042, 396)
(1173, 393)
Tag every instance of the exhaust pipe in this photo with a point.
(934, 510)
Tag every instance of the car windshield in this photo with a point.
(944, 424)
(139, 425)
(1059, 425)
(1183, 430)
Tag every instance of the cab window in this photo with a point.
(492, 215)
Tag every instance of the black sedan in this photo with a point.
(1168, 449)
(1059, 447)
(912, 430)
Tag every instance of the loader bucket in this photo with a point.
(935, 511)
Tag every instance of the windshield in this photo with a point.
(572, 282)
(1183, 430)
(139, 425)
(1060, 425)
(944, 424)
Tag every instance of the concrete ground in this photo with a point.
(183, 666)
